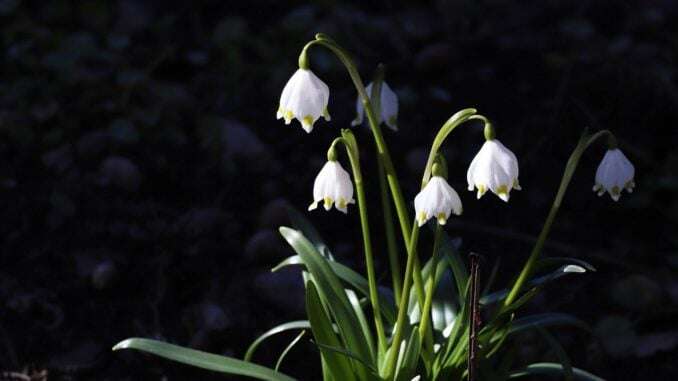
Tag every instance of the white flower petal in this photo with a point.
(389, 107)
(304, 97)
(359, 110)
(437, 200)
(495, 168)
(333, 186)
(614, 174)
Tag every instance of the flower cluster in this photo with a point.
(494, 167)
(333, 301)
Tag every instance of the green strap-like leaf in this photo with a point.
(323, 332)
(444, 309)
(288, 349)
(202, 360)
(301, 223)
(539, 281)
(407, 360)
(333, 298)
(293, 325)
(348, 354)
(354, 279)
(559, 261)
(364, 325)
(553, 369)
(546, 320)
(459, 326)
(457, 265)
(560, 352)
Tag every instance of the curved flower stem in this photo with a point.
(430, 288)
(382, 149)
(348, 140)
(584, 142)
(455, 120)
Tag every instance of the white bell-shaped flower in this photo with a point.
(305, 98)
(332, 186)
(614, 174)
(495, 168)
(436, 200)
(388, 103)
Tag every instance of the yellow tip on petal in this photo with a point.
(288, 115)
(481, 191)
(328, 203)
(307, 123)
(421, 218)
(326, 115)
(313, 205)
(442, 219)
(502, 192)
(516, 185)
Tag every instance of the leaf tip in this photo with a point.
(574, 269)
(121, 345)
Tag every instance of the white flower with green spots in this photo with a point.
(305, 98)
(495, 168)
(614, 174)
(437, 200)
(332, 186)
(388, 103)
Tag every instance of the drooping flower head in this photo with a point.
(332, 186)
(388, 103)
(615, 173)
(305, 98)
(495, 168)
(437, 200)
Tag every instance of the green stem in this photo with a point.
(455, 120)
(430, 288)
(572, 162)
(402, 310)
(352, 151)
(391, 244)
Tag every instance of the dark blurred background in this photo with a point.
(143, 174)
